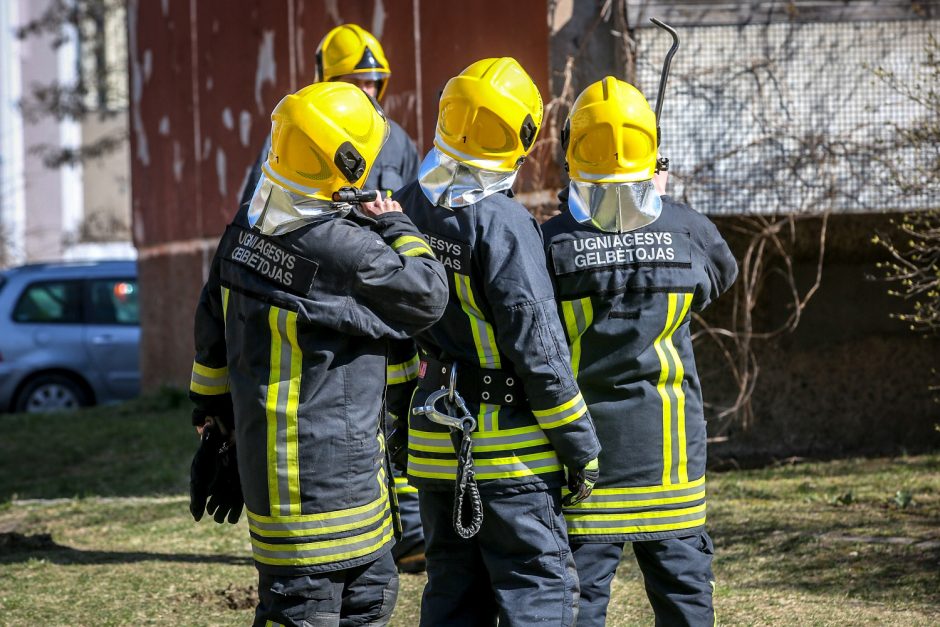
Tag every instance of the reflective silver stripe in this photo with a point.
(577, 307)
(210, 381)
(562, 417)
(402, 372)
(645, 496)
(486, 417)
(410, 246)
(484, 337)
(481, 441)
(281, 409)
(323, 551)
(634, 522)
(322, 525)
(485, 468)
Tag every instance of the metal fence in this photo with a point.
(788, 117)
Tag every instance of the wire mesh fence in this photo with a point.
(792, 117)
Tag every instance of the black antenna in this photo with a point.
(672, 51)
(664, 163)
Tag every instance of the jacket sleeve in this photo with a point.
(209, 384)
(401, 372)
(399, 279)
(720, 265)
(529, 333)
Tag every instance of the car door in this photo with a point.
(46, 327)
(112, 334)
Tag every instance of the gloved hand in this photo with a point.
(581, 483)
(225, 491)
(213, 480)
(397, 442)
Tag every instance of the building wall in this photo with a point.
(204, 77)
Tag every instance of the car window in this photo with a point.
(113, 301)
(50, 301)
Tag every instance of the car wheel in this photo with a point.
(51, 392)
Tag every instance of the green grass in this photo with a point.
(853, 542)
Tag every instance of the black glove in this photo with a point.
(213, 479)
(581, 483)
(225, 491)
(397, 443)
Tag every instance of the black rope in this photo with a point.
(466, 491)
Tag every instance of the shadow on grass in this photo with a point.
(16, 548)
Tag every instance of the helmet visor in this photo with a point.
(614, 207)
(450, 183)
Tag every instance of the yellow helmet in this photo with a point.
(489, 115)
(350, 50)
(610, 135)
(324, 137)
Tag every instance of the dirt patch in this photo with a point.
(232, 597)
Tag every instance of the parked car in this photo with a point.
(69, 335)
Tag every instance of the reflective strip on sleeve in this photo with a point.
(412, 246)
(562, 414)
(209, 381)
(403, 487)
(490, 468)
(578, 315)
(483, 334)
(402, 372)
(675, 457)
(281, 406)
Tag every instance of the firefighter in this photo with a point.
(351, 54)
(501, 338)
(630, 267)
(303, 296)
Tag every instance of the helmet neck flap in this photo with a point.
(450, 183)
(275, 210)
(614, 207)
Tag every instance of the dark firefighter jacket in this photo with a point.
(501, 316)
(292, 332)
(396, 164)
(626, 301)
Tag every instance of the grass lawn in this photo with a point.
(95, 530)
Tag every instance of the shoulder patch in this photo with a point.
(453, 254)
(643, 248)
(258, 254)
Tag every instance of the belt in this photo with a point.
(477, 385)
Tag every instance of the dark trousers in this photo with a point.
(518, 568)
(412, 535)
(677, 573)
(360, 596)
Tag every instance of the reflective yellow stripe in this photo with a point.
(483, 335)
(323, 529)
(574, 530)
(683, 469)
(563, 414)
(225, 293)
(483, 441)
(403, 487)
(209, 381)
(322, 552)
(402, 372)
(578, 314)
(669, 500)
(293, 403)
(493, 468)
(270, 406)
(672, 322)
(413, 246)
(650, 489)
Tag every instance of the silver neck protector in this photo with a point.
(275, 210)
(614, 207)
(449, 183)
